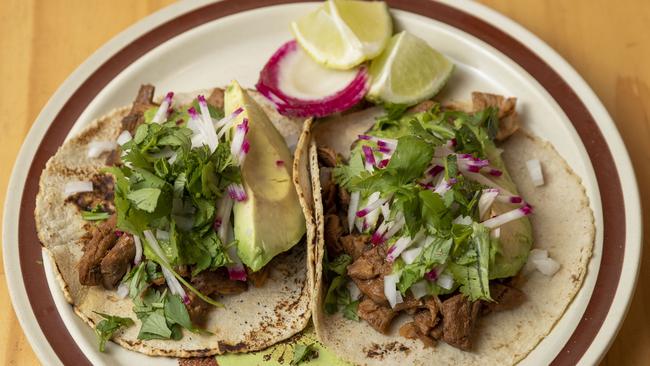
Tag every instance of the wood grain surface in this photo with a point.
(43, 41)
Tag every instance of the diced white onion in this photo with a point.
(462, 220)
(535, 172)
(547, 266)
(352, 209)
(485, 202)
(162, 234)
(420, 289)
(96, 148)
(355, 293)
(124, 137)
(445, 281)
(385, 211)
(390, 289)
(77, 187)
(507, 217)
(410, 255)
(401, 244)
(197, 140)
(538, 254)
(122, 290)
(138, 250)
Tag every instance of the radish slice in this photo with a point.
(122, 290)
(77, 187)
(487, 199)
(419, 289)
(390, 289)
(163, 110)
(299, 86)
(138, 250)
(508, 216)
(352, 209)
(535, 171)
(237, 192)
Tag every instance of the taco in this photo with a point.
(434, 244)
(178, 227)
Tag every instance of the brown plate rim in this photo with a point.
(591, 136)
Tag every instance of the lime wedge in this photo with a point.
(341, 34)
(408, 71)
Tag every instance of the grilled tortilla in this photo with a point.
(563, 224)
(251, 320)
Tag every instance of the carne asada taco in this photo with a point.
(426, 220)
(178, 227)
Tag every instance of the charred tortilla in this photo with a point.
(251, 320)
(563, 224)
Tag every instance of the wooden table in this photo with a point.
(42, 42)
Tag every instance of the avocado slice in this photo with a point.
(516, 236)
(271, 220)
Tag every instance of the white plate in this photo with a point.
(236, 47)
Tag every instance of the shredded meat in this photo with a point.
(354, 244)
(373, 288)
(102, 195)
(508, 118)
(409, 305)
(458, 319)
(216, 98)
(326, 156)
(369, 265)
(344, 198)
(505, 298)
(210, 283)
(333, 232)
(116, 262)
(142, 102)
(421, 107)
(102, 238)
(259, 278)
(379, 317)
(411, 330)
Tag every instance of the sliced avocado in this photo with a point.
(516, 236)
(270, 221)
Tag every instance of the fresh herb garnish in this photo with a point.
(303, 353)
(108, 326)
(96, 214)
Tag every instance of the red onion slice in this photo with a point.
(281, 82)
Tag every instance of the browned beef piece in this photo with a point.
(424, 321)
(410, 330)
(329, 198)
(101, 241)
(344, 198)
(210, 283)
(436, 332)
(378, 316)
(333, 232)
(259, 278)
(354, 244)
(218, 282)
(374, 289)
(505, 298)
(369, 265)
(433, 304)
(421, 107)
(508, 118)
(142, 102)
(326, 156)
(409, 305)
(458, 319)
(116, 262)
(103, 194)
(216, 98)
(114, 157)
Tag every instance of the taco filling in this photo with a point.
(423, 220)
(173, 220)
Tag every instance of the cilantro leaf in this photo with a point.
(340, 264)
(108, 326)
(94, 216)
(350, 310)
(303, 353)
(145, 199)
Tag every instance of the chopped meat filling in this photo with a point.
(142, 102)
(210, 283)
(369, 265)
(259, 278)
(505, 298)
(354, 245)
(216, 98)
(333, 232)
(508, 118)
(327, 156)
(458, 319)
(102, 194)
(379, 317)
(373, 288)
(116, 262)
(102, 239)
